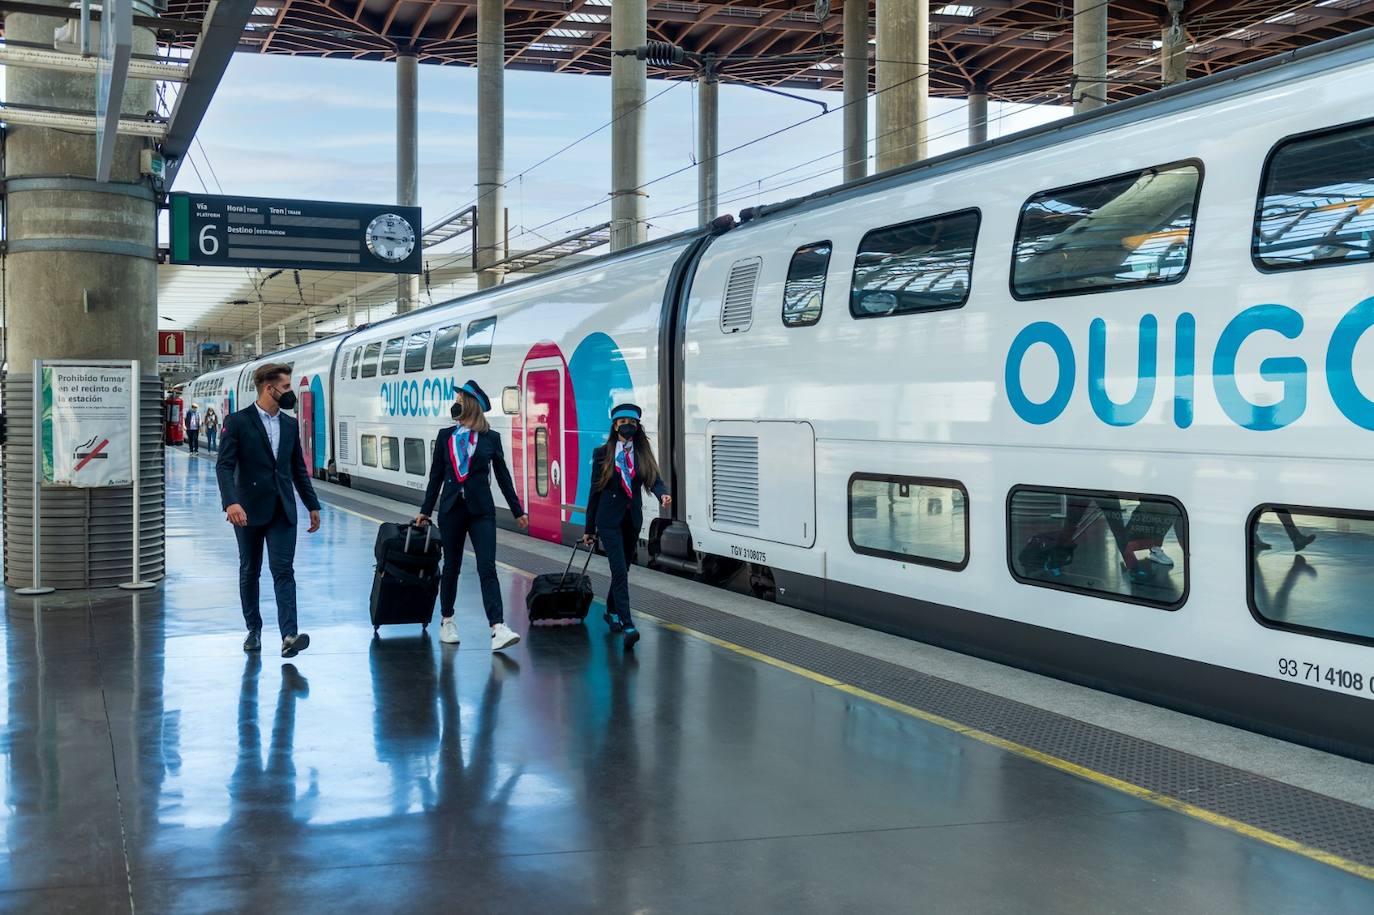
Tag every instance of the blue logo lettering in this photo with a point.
(1340, 358)
(1185, 352)
(1133, 410)
(414, 398)
(1291, 371)
(1057, 340)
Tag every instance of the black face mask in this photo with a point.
(287, 401)
(627, 431)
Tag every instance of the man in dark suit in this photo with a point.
(260, 461)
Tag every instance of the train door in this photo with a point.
(543, 452)
(305, 416)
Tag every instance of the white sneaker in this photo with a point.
(1160, 558)
(448, 631)
(502, 636)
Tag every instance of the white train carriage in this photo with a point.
(217, 390)
(1091, 399)
(312, 366)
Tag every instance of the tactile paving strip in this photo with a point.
(1315, 820)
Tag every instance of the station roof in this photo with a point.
(1021, 50)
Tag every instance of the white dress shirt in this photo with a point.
(273, 426)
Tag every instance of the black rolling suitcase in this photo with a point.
(406, 582)
(561, 600)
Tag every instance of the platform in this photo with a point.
(745, 758)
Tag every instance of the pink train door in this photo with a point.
(305, 415)
(543, 451)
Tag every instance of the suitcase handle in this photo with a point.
(429, 532)
(576, 545)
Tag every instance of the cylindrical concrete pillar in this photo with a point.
(708, 146)
(352, 314)
(1173, 49)
(407, 159)
(977, 116)
(80, 283)
(855, 89)
(491, 137)
(629, 29)
(903, 83)
(1089, 54)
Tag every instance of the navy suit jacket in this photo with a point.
(475, 491)
(252, 476)
(607, 507)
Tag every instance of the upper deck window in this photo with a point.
(917, 266)
(1128, 230)
(477, 348)
(1316, 204)
(805, 288)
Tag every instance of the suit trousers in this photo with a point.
(279, 536)
(456, 525)
(620, 542)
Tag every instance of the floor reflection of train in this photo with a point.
(1047, 400)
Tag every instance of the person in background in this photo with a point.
(1299, 540)
(260, 461)
(211, 427)
(192, 423)
(621, 470)
(460, 471)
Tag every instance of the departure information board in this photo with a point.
(294, 234)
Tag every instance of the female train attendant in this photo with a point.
(464, 457)
(621, 469)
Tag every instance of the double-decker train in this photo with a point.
(1091, 399)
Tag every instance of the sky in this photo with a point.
(325, 129)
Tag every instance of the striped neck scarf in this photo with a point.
(625, 464)
(461, 455)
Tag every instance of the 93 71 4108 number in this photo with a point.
(1309, 672)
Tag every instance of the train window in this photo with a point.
(1316, 204)
(477, 348)
(1308, 570)
(510, 401)
(445, 354)
(415, 456)
(1127, 230)
(391, 356)
(370, 360)
(541, 461)
(917, 266)
(416, 350)
(805, 288)
(1121, 546)
(909, 519)
(369, 446)
(391, 453)
(357, 359)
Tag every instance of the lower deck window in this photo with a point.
(1310, 570)
(909, 519)
(391, 453)
(415, 456)
(1123, 546)
(369, 448)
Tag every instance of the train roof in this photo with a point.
(1323, 55)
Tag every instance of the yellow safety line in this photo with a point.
(1010, 746)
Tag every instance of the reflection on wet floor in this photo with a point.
(1315, 571)
(147, 761)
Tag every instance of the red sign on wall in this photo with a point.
(171, 343)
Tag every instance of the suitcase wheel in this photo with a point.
(376, 631)
(424, 628)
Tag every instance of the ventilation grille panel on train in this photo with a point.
(735, 480)
(737, 309)
(345, 443)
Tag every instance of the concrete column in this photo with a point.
(257, 344)
(977, 115)
(903, 83)
(352, 315)
(708, 146)
(629, 29)
(491, 137)
(281, 336)
(1173, 51)
(80, 282)
(310, 327)
(407, 160)
(1089, 54)
(855, 89)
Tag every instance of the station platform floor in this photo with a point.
(746, 757)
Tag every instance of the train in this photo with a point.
(1089, 399)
